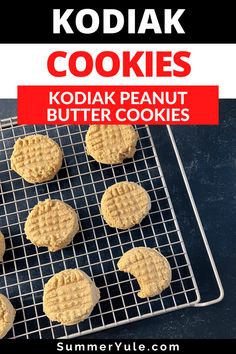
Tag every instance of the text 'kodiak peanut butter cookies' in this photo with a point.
(149, 267)
(36, 158)
(7, 315)
(125, 204)
(52, 224)
(69, 297)
(2, 246)
(111, 144)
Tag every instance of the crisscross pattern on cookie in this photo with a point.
(69, 297)
(111, 144)
(125, 204)
(151, 269)
(36, 158)
(51, 223)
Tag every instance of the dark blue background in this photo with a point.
(209, 157)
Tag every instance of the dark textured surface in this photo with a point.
(209, 156)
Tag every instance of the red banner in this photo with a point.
(179, 105)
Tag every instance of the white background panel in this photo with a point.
(26, 64)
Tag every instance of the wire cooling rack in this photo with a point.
(96, 250)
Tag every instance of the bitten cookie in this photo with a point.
(36, 158)
(125, 204)
(2, 246)
(52, 224)
(69, 297)
(149, 267)
(7, 315)
(111, 144)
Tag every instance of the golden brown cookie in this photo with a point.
(36, 158)
(7, 315)
(2, 246)
(111, 144)
(125, 204)
(149, 267)
(69, 297)
(52, 224)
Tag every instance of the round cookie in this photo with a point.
(2, 246)
(69, 297)
(36, 158)
(149, 267)
(52, 224)
(111, 144)
(7, 315)
(125, 204)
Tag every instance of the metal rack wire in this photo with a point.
(97, 248)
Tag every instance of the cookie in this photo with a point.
(36, 158)
(7, 315)
(2, 246)
(69, 297)
(125, 204)
(52, 224)
(111, 144)
(149, 267)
